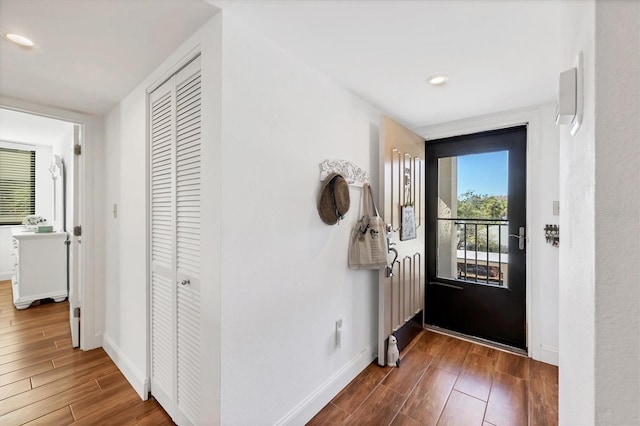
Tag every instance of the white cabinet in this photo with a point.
(40, 267)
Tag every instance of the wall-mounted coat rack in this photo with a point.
(353, 174)
(552, 235)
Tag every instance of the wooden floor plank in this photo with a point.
(462, 409)
(33, 352)
(74, 356)
(48, 405)
(453, 355)
(427, 400)
(28, 323)
(515, 365)
(476, 376)
(45, 391)
(111, 380)
(508, 401)
(485, 351)
(61, 417)
(432, 343)
(23, 349)
(403, 420)
(30, 371)
(412, 366)
(543, 394)
(36, 359)
(380, 408)
(15, 388)
(350, 398)
(330, 415)
(103, 403)
(155, 417)
(96, 358)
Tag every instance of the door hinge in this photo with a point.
(77, 231)
(76, 312)
(77, 149)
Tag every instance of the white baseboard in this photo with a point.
(549, 354)
(138, 381)
(312, 404)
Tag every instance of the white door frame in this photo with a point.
(88, 281)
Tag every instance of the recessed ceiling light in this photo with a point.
(438, 79)
(18, 39)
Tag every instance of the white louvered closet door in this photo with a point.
(175, 244)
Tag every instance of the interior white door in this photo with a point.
(175, 173)
(188, 177)
(401, 287)
(75, 263)
(162, 270)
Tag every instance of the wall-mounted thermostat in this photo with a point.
(566, 107)
(570, 96)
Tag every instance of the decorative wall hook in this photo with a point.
(353, 174)
(552, 234)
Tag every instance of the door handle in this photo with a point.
(389, 268)
(521, 237)
(185, 282)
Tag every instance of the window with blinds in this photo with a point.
(17, 185)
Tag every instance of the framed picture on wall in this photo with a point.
(408, 228)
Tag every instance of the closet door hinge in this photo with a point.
(77, 149)
(76, 312)
(77, 231)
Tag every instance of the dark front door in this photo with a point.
(476, 239)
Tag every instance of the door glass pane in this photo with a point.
(472, 218)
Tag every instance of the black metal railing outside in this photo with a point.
(480, 235)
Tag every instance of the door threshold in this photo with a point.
(478, 340)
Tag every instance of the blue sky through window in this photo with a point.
(483, 173)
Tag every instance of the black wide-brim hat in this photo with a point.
(334, 199)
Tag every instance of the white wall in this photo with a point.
(617, 212)
(285, 279)
(577, 255)
(600, 315)
(542, 190)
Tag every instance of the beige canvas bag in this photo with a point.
(368, 241)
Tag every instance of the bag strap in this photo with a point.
(365, 200)
(373, 203)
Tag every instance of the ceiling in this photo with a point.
(499, 54)
(32, 129)
(89, 54)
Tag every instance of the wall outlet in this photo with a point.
(339, 333)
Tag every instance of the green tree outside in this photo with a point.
(489, 208)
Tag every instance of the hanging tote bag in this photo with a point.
(368, 241)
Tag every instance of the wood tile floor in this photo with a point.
(44, 381)
(447, 381)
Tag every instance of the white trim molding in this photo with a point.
(137, 379)
(312, 404)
